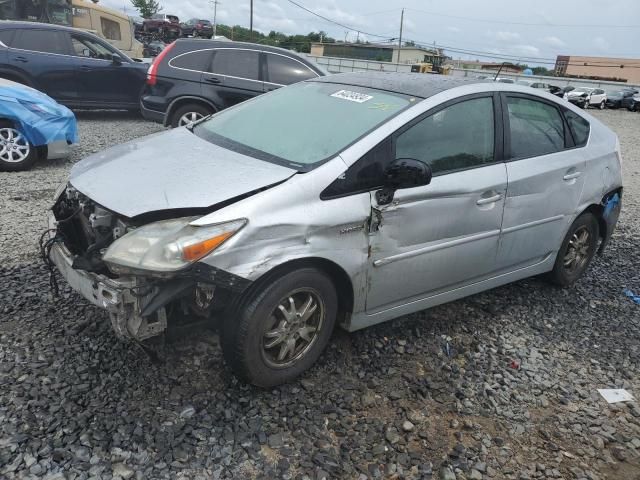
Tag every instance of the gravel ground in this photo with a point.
(499, 385)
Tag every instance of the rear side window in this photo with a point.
(536, 128)
(46, 41)
(110, 29)
(457, 137)
(579, 128)
(6, 37)
(198, 61)
(237, 63)
(285, 71)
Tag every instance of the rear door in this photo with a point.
(43, 56)
(282, 70)
(233, 76)
(545, 179)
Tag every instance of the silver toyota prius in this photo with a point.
(345, 200)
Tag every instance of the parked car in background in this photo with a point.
(585, 97)
(634, 103)
(153, 48)
(305, 208)
(619, 98)
(163, 24)
(192, 79)
(505, 80)
(76, 68)
(197, 28)
(563, 92)
(540, 85)
(32, 126)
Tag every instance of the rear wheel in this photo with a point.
(282, 328)
(188, 114)
(16, 152)
(577, 250)
(632, 106)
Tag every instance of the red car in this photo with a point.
(163, 24)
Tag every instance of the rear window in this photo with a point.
(46, 41)
(579, 128)
(198, 60)
(237, 63)
(6, 37)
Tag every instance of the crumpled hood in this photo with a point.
(170, 170)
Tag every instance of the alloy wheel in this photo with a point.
(578, 253)
(293, 329)
(602, 105)
(14, 147)
(189, 118)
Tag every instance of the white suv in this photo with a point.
(588, 97)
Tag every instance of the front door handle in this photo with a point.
(571, 176)
(21, 59)
(85, 68)
(485, 201)
(212, 80)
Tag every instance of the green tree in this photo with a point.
(147, 8)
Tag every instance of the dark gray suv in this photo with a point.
(192, 79)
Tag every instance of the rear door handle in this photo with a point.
(485, 201)
(85, 68)
(21, 59)
(212, 80)
(571, 176)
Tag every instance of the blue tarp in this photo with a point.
(37, 116)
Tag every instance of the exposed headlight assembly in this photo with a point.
(168, 246)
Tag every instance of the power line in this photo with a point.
(504, 22)
(333, 21)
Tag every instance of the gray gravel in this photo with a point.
(499, 385)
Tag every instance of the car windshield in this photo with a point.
(302, 125)
(204, 22)
(172, 18)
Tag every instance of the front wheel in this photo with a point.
(16, 152)
(632, 107)
(577, 250)
(282, 328)
(601, 106)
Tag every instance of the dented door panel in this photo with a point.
(436, 237)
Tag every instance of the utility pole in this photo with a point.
(251, 22)
(400, 38)
(358, 37)
(215, 14)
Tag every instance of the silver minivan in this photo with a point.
(344, 200)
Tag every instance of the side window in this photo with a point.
(110, 29)
(285, 71)
(579, 127)
(454, 138)
(6, 37)
(536, 128)
(198, 61)
(237, 63)
(364, 175)
(86, 47)
(46, 41)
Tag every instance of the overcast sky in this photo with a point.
(495, 26)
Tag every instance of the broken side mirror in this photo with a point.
(403, 173)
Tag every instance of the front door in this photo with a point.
(444, 235)
(546, 173)
(101, 79)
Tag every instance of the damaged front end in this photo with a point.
(141, 302)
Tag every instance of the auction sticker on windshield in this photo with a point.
(352, 96)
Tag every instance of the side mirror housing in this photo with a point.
(116, 60)
(403, 173)
(407, 173)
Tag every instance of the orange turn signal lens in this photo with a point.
(196, 251)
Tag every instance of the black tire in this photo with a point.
(16, 166)
(564, 274)
(243, 332)
(197, 108)
(601, 105)
(632, 107)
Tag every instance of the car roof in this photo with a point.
(40, 26)
(412, 84)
